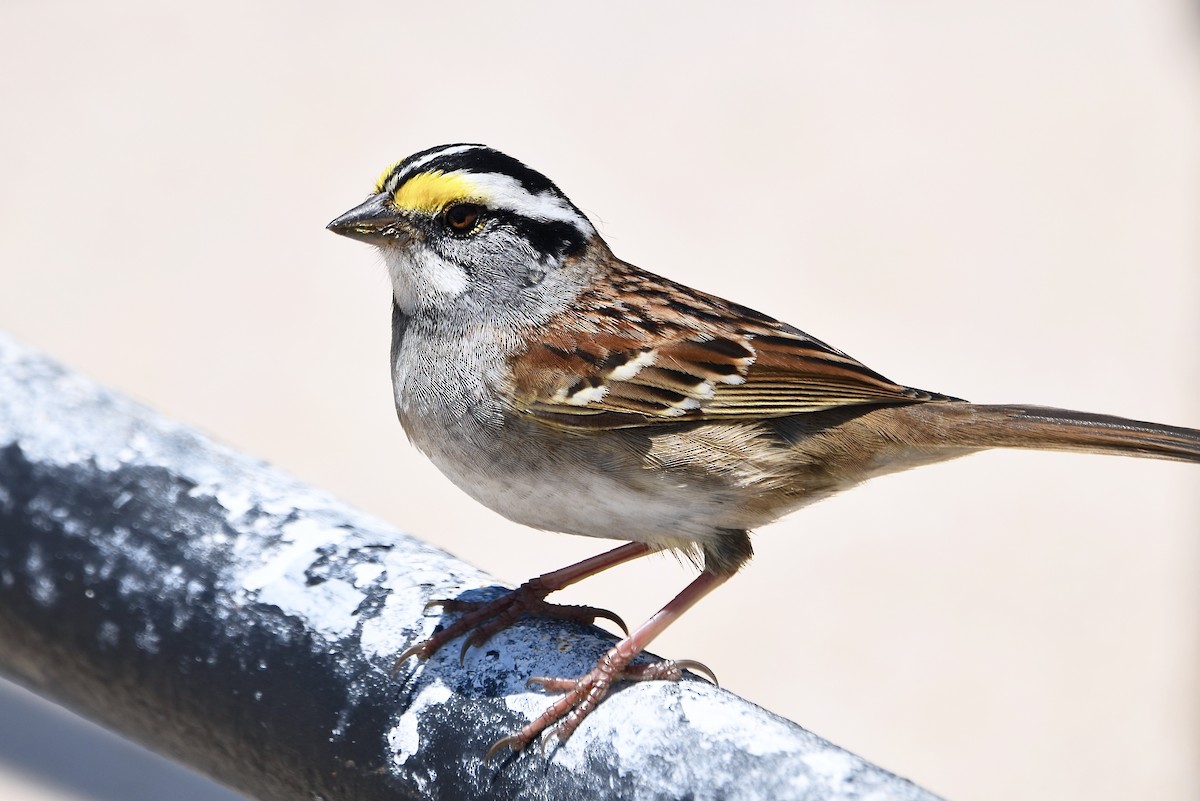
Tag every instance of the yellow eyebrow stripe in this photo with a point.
(382, 182)
(429, 192)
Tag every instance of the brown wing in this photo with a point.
(643, 350)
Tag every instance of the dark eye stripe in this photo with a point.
(550, 237)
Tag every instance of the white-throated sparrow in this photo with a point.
(571, 391)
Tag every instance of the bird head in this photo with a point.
(467, 227)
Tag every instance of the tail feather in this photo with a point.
(972, 425)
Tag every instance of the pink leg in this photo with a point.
(586, 692)
(485, 618)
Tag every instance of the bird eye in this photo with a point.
(462, 218)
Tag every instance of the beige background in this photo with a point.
(996, 199)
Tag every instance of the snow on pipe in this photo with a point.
(202, 603)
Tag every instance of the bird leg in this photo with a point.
(584, 693)
(484, 618)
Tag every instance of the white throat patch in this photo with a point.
(421, 279)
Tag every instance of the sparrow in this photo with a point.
(571, 391)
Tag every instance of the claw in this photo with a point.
(612, 617)
(438, 602)
(512, 741)
(698, 667)
(468, 644)
(411, 651)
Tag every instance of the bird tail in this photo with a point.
(973, 426)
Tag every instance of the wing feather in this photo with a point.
(641, 350)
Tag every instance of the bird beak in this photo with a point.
(372, 221)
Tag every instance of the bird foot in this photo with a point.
(583, 694)
(482, 619)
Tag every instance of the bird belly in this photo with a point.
(644, 488)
